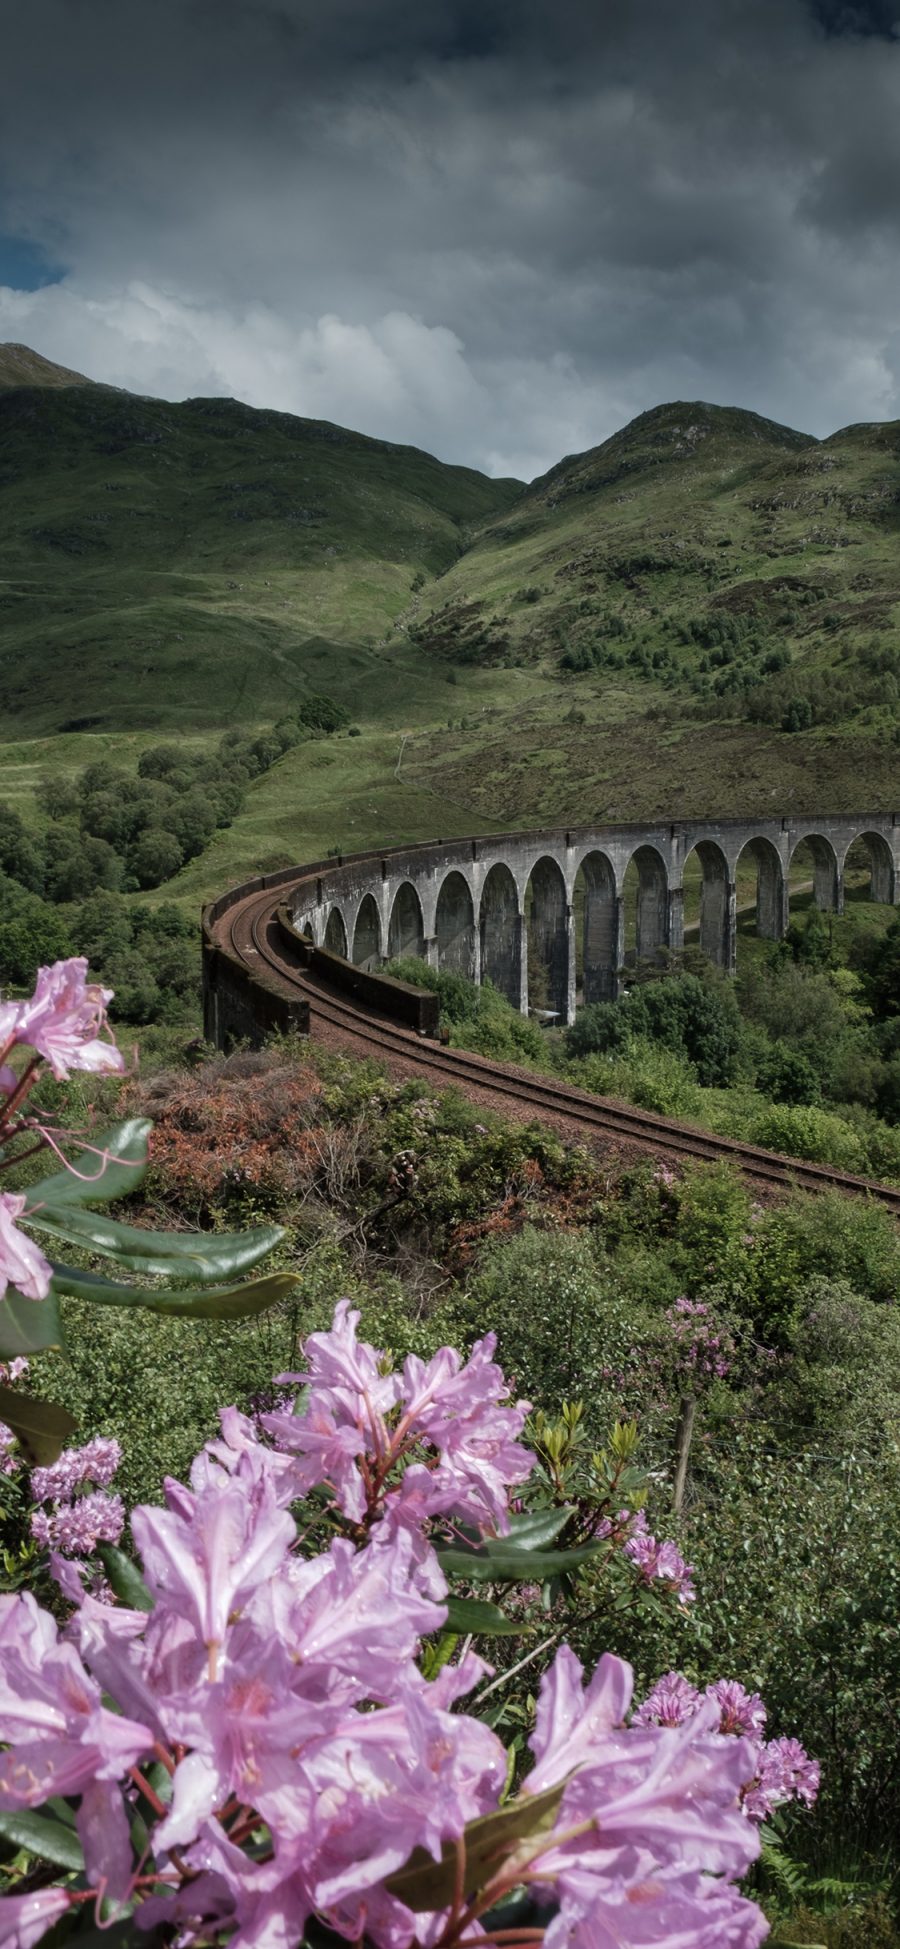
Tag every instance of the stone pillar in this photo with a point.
(432, 956)
(618, 949)
(476, 954)
(730, 940)
(569, 1015)
(675, 921)
(839, 890)
(521, 957)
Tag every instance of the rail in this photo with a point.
(246, 927)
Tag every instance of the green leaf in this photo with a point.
(46, 1838)
(187, 1255)
(42, 1427)
(112, 1175)
(125, 1577)
(28, 1325)
(489, 1842)
(483, 1620)
(499, 1560)
(216, 1303)
(537, 1527)
(532, 1530)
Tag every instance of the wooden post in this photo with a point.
(683, 1431)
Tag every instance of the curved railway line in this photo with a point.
(252, 932)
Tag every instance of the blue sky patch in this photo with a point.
(25, 266)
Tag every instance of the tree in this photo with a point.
(76, 865)
(19, 856)
(32, 933)
(155, 856)
(193, 822)
(159, 760)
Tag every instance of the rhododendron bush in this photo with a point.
(63, 1027)
(265, 1734)
(268, 1725)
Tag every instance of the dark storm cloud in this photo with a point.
(865, 17)
(495, 227)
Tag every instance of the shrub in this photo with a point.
(681, 1012)
(787, 1075)
(803, 1130)
(563, 1326)
(643, 1073)
(155, 856)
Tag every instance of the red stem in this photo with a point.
(147, 1791)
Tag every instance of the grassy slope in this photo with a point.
(184, 566)
(181, 568)
(20, 366)
(691, 514)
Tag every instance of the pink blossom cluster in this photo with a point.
(437, 1438)
(22, 1263)
(704, 1348)
(302, 1757)
(64, 1023)
(96, 1462)
(285, 1703)
(77, 1522)
(659, 1562)
(782, 1769)
(75, 1528)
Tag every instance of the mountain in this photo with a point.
(183, 565)
(703, 550)
(181, 568)
(19, 366)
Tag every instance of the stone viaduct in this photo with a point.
(483, 906)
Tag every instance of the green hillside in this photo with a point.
(703, 568)
(179, 566)
(700, 615)
(700, 547)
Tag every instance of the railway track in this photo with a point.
(253, 934)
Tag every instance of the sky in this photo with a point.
(496, 229)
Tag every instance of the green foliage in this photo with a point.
(59, 1204)
(787, 1075)
(563, 1323)
(479, 1018)
(882, 973)
(32, 933)
(645, 1073)
(803, 1130)
(694, 1020)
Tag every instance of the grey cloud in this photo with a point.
(497, 227)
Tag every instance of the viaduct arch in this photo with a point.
(534, 911)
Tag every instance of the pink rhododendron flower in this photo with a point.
(671, 1703)
(96, 1462)
(203, 1563)
(358, 1423)
(660, 1562)
(24, 1919)
(63, 1020)
(22, 1263)
(741, 1711)
(784, 1772)
(60, 1736)
(76, 1528)
(306, 1756)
